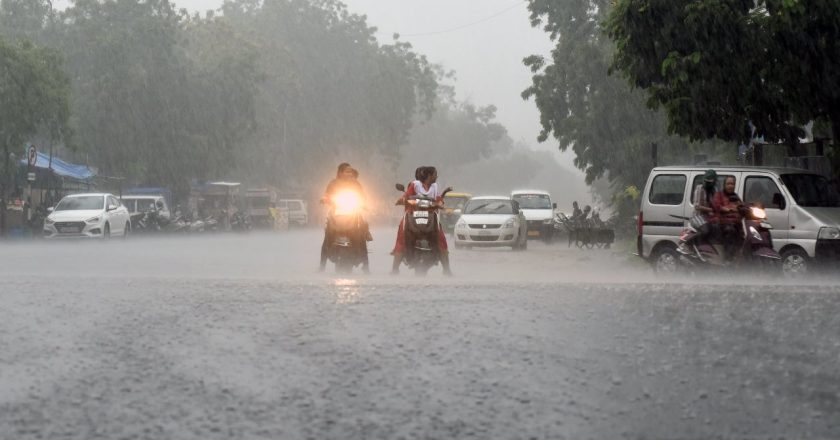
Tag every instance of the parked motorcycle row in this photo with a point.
(154, 222)
(585, 231)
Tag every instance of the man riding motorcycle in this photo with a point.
(727, 206)
(344, 183)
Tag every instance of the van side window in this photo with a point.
(667, 189)
(698, 180)
(760, 189)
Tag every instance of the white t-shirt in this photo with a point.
(433, 192)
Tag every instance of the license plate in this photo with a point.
(422, 221)
(484, 232)
(421, 214)
(70, 230)
(533, 233)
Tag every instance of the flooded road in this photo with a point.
(237, 336)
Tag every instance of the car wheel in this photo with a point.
(665, 260)
(795, 263)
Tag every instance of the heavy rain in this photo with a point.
(363, 219)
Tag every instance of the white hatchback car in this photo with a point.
(492, 221)
(97, 215)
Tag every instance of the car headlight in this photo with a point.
(461, 223)
(48, 221)
(509, 224)
(92, 220)
(828, 233)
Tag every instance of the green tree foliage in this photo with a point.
(34, 93)
(717, 66)
(597, 115)
(262, 91)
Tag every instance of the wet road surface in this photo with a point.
(237, 337)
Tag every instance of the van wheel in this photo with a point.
(795, 263)
(665, 260)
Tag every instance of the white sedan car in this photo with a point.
(96, 215)
(492, 221)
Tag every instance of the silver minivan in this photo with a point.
(803, 208)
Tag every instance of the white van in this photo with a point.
(298, 213)
(538, 209)
(802, 207)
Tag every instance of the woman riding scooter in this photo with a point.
(424, 185)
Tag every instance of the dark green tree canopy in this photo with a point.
(718, 67)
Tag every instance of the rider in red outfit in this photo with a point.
(426, 184)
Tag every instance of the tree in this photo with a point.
(598, 116)
(720, 68)
(35, 96)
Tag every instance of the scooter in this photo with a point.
(344, 221)
(756, 244)
(422, 227)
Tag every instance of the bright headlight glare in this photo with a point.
(829, 233)
(759, 213)
(346, 202)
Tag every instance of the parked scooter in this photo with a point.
(422, 227)
(755, 247)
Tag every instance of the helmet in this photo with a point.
(710, 176)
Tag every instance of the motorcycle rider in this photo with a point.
(425, 184)
(726, 205)
(704, 195)
(346, 179)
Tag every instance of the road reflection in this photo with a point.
(347, 292)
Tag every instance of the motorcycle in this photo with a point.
(347, 248)
(421, 227)
(240, 222)
(755, 247)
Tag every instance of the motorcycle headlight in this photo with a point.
(829, 233)
(49, 221)
(509, 224)
(346, 202)
(755, 234)
(758, 213)
(92, 220)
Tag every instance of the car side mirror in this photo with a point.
(50, 209)
(400, 187)
(112, 207)
(778, 201)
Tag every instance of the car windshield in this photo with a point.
(81, 203)
(811, 190)
(145, 205)
(533, 201)
(260, 202)
(489, 207)
(454, 202)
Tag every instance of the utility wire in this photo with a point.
(464, 26)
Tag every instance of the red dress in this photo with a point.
(399, 247)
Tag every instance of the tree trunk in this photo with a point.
(835, 145)
(4, 180)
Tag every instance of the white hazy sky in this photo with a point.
(483, 41)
